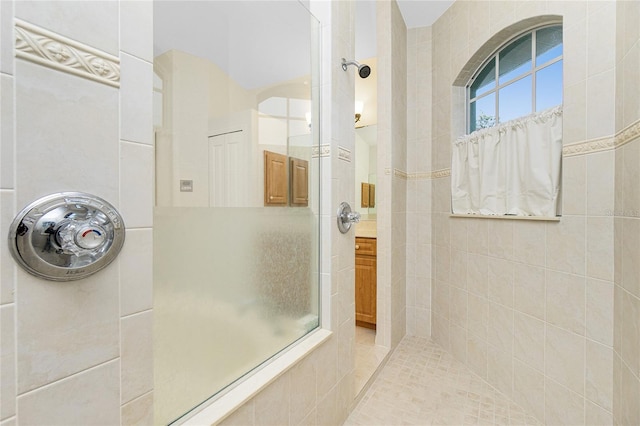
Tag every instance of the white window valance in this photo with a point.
(510, 169)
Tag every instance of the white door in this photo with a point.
(229, 161)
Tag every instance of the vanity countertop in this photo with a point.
(366, 229)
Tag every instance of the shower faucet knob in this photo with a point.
(66, 236)
(353, 217)
(346, 217)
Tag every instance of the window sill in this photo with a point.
(482, 216)
(222, 407)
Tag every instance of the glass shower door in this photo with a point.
(236, 222)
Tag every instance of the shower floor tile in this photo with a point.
(421, 384)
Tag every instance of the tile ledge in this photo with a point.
(482, 216)
(225, 405)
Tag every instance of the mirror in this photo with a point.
(223, 100)
(366, 169)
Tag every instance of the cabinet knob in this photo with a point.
(357, 247)
(271, 197)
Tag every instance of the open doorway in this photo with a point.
(368, 355)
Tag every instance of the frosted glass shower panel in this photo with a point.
(235, 278)
(232, 288)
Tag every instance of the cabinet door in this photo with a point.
(366, 289)
(299, 182)
(275, 179)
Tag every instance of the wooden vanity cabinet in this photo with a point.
(366, 282)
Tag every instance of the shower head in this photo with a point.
(364, 70)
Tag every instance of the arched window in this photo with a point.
(522, 77)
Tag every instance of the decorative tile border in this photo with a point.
(421, 176)
(628, 134)
(586, 147)
(436, 174)
(400, 174)
(623, 137)
(344, 154)
(321, 151)
(52, 50)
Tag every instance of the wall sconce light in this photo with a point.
(307, 116)
(359, 106)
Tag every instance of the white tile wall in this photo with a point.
(7, 265)
(65, 329)
(7, 124)
(136, 184)
(7, 207)
(67, 338)
(91, 397)
(136, 334)
(66, 140)
(7, 370)
(136, 272)
(93, 24)
(6, 37)
(136, 99)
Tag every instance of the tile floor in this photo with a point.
(368, 356)
(421, 384)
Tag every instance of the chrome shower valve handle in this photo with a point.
(353, 217)
(346, 217)
(66, 236)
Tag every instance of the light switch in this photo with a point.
(186, 186)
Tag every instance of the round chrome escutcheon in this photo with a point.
(66, 236)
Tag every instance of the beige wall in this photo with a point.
(419, 132)
(626, 335)
(527, 305)
(79, 352)
(199, 99)
(391, 188)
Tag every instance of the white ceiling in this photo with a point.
(257, 43)
(416, 13)
(263, 41)
(422, 13)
